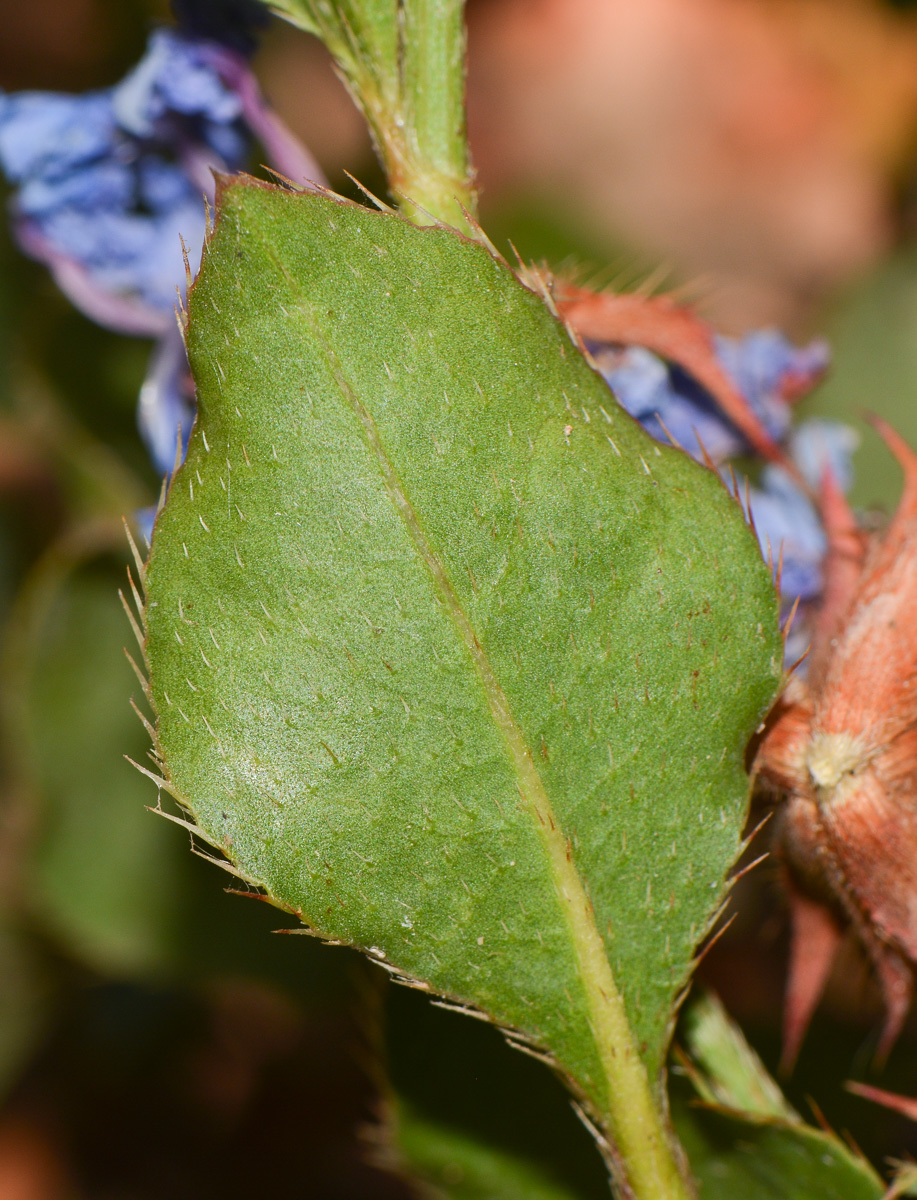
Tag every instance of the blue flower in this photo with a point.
(789, 531)
(112, 184)
(111, 181)
(819, 444)
(786, 520)
(768, 371)
(46, 134)
(176, 94)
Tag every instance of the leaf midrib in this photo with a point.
(628, 1111)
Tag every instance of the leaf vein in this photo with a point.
(631, 1121)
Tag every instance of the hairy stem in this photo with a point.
(404, 63)
(435, 174)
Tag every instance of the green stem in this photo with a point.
(404, 63)
(436, 174)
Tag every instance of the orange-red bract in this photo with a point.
(841, 745)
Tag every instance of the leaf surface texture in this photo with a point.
(448, 655)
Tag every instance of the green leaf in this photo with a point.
(757, 1159)
(459, 1167)
(746, 1140)
(447, 654)
(731, 1073)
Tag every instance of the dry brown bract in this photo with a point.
(841, 746)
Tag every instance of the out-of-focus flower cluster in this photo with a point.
(770, 374)
(111, 189)
(110, 181)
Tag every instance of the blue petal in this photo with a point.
(162, 273)
(769, 370)
(788, 525)
(230, 143)
(132, 253)
(174, 76)
(51, 133)
(167, 404)
(818, 443)
(145, 519)
(100, 186)
(112, 181)
(765, 367)
(163, 185)
(99, 241)
(640, 381)
(664, 398)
